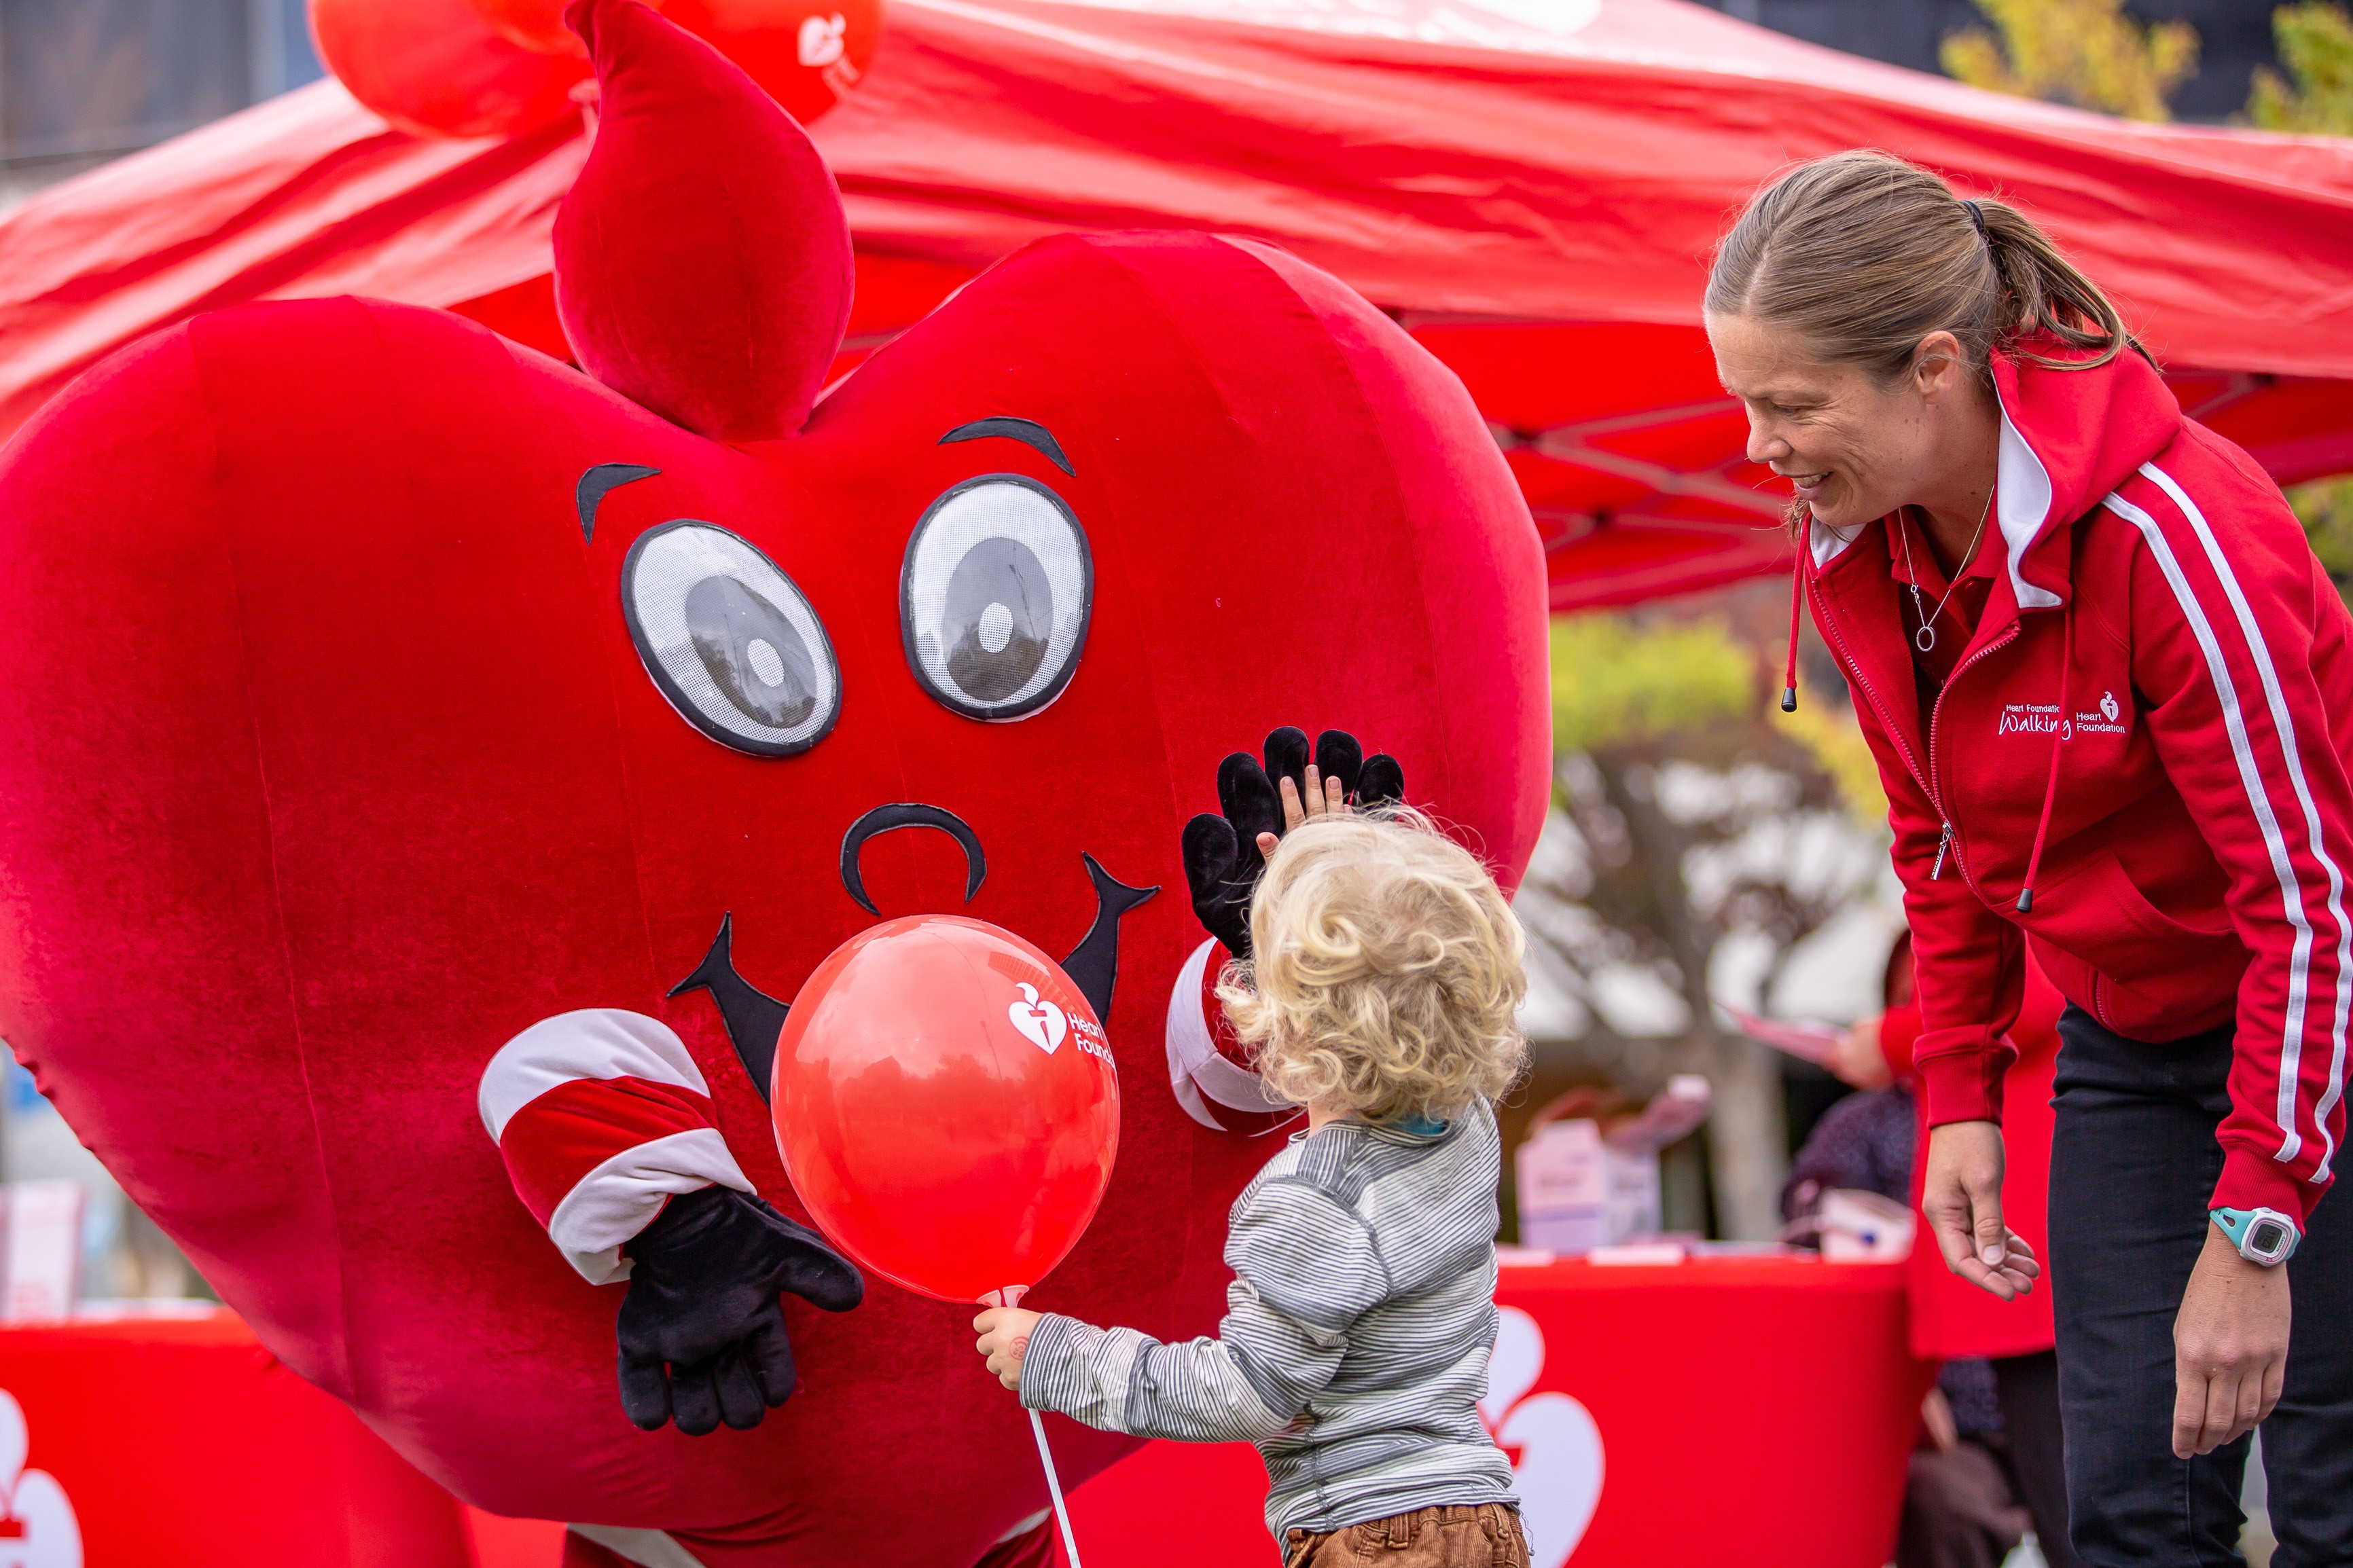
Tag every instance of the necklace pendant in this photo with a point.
(1925, 639)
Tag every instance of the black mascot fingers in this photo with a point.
(1222, 863)
(702, 1340)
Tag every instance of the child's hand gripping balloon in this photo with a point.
(1004, 1335)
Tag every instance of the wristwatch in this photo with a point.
(2262, 1236)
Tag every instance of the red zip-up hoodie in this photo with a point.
(2158, 699)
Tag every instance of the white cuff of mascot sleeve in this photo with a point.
(1197, 1072)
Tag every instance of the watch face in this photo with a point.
(2266, 1237)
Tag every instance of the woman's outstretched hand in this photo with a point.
(1004, 1335)
(1962, 1201)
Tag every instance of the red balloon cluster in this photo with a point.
(947, 1106)
(492, 68)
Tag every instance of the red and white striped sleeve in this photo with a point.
(1208, 1067)
(602, 1116)
(2239, 648)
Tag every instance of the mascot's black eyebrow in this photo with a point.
(1029, 432)
(590, 491)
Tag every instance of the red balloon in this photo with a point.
(434, 67)
(805, 54)
(947, 1106)
(536, 23)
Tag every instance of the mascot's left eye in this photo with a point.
(730, 639)
(995, 597)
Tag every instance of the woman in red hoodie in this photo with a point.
(2111, 698)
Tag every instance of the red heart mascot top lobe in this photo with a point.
(714, 294)
(381, 693)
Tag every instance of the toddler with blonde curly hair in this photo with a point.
(1353, 1350)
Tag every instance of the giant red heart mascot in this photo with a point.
(392, 716)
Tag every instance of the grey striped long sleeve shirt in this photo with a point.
(1353, 1349)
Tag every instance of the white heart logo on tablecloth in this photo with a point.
(1558, 1475)
(47, 1533)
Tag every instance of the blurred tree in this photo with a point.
(2316, 45)
(1689, 812)
(2083, 52)
(2315, 97)
(2325, 510)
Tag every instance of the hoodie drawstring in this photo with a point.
(2058, 735)
(1796, 591)
(2058, 732)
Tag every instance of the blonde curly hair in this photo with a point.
(1387, 970)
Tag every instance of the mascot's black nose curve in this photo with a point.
(909, 814)
(754, 1019)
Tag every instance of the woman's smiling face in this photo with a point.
(1853, 448)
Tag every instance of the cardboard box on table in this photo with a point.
(1581, 1187)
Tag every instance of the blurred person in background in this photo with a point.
(1992, 1464)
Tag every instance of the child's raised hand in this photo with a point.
(1326, 797)
(1223, 854)
(1004, 1336)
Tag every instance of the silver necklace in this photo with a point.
(1925, 639)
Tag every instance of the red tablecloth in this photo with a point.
(1756, 1412)
(183, 1444)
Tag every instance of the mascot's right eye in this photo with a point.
(730, 640)
(995, 597)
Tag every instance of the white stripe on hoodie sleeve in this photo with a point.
(2230, 634)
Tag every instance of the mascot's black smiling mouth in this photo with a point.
(753, 1018)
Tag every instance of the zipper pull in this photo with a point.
(1944, 842)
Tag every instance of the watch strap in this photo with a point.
(2237, 1224)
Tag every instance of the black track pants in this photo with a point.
(2133, 1165)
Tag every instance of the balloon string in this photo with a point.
(1054, 1487)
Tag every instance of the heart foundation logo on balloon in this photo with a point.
(1043, 1022)
(821, 40)
(936, 1134)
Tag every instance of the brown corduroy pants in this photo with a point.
(1455, 1536)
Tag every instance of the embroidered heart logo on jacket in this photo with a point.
(1043, 1022)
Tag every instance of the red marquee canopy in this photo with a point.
(1531, 185)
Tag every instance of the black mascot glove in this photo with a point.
(1222, 863)
(702, 1340)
